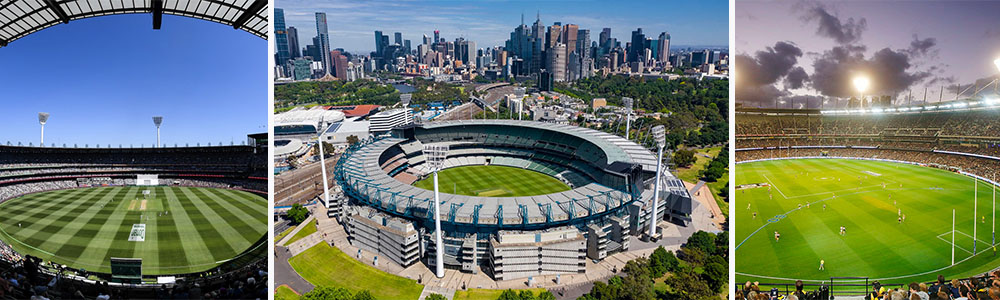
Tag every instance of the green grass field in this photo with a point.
(493, 181)
(307, 229)
(186, 229)
(876, 245)
(690, 174)
(284, 292)
(487, 294)
(323, 265)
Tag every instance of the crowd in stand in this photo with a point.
(978, 123)
(14, 190)
(973, 288)
(30, 277)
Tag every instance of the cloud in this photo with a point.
(765, 68)
(843, 32)
(920, 47)
(796, 78)
(889, 71)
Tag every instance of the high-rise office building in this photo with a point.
(427, 40)
(339, 64)
(554, 36)
(637, 47)
(280, 38)
(324, 41)
(663, 50)
(406, 46)
(604, 37)
(557, 61)
(537, 43)
(583, 43)
(293, 43)
(569, 34)
(399, 38)
(437, 36)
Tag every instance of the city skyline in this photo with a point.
(893, 43)
(208, 86)
(481, 23)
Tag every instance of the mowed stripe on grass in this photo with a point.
(495, 181)
(83, 228)
(876, 245)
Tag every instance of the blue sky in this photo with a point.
(103, 79)
(352, 22)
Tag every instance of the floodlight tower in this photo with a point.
(157, 120)
(435, 159)
(628, 114)
(322, 168)
(660, 134)
(861, 84)
(43, 117)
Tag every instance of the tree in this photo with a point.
(365, 295)
(327, 148)
(297, 213)
(509, 295)
(328, 293)
(662, 261)
(687, 285)
(546, 295)
(722, 244)
(527, 295)
(684, 158)
(352, 139)
(704, 241)
(292, 161)
(715, 275)
(435, 296)
(638, 285)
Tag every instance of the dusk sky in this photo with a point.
(352, 23)
(104, 78)
(809, 51)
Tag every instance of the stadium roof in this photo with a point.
(19, 18)
(356, 110)
(311, 116)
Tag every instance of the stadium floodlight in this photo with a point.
(628, 114)
(861, 84)
(660, 134)
(43, 117)
(435, 159)
(157, 120)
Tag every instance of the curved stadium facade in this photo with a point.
(609, 199)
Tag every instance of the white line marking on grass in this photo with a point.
(774, 185)
(949, 242)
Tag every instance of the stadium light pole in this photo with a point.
(43, 117)
(322, 167)
(435, 159)
(975, 207)
(660, 134)
(861, 84)
(157, 120)
(953, 236)
(628, 114)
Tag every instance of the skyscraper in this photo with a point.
(378, 43)
(293, 43)
(537, 42)
(427, 40)
(437, 36)
(583, 43)
(557, 61)
(280, 38)
(406, 46)
(637, 48)
(663, 54)
(324, 39)
(399, 38)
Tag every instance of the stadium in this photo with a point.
(894, 195)
(133, 216)
(518, 198)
